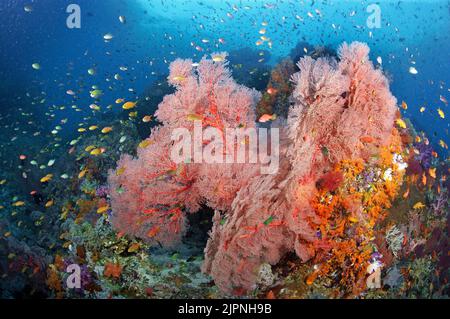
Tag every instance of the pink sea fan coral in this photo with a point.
(207, 93)
(180, 70)
(336, 105)
(151, 193)
(342, 109)
(252, 234)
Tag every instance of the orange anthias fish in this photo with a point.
(120, 234)
(424, 179)
(102, 209)
(19, 203)
(46, 178)
(129, 105)
(147, 118)
(267, 117)
(272, 91)
(404, 105)
(106, 130)
(406, 194)
(153, 231)
(367, 139)
(432, 172)
(49, 203)
(134, 247)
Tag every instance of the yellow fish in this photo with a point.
(103, 209)
(441, 113)
(432, 172)
(120, 171)
(46, 178)
(82, 173)
(129, 105)
(64, 215)
(353, 219)
(19, 203)
(81, 130)
(7, 234)
(145, 143)
(443, 144)
(418, 205)
(107, 129)
(422, 109)
(118, 101)
(49, 203)
(400, 123)
(97, 151)
(194, 117)
(93, 127)
(89, 148)
(3, 181)
(132, 114)
(178, 78)
(218, 58)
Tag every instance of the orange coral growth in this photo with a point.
(53, 281)
(59, 263)
(348, 216)
(113, 270)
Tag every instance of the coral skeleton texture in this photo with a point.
(342, 110)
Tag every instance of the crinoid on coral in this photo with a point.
(342, 111)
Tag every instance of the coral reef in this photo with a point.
(343, 110)
(358, 193)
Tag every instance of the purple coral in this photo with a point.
(102, 191)
(425, 155)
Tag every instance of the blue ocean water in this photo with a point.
(411, 33)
